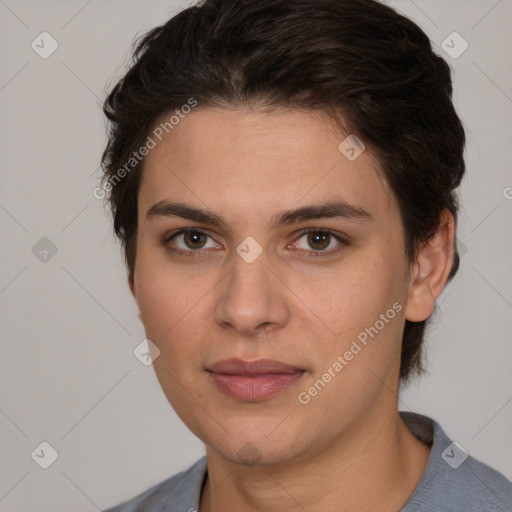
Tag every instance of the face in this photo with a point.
(264, 273)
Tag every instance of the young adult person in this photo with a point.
(282, 176)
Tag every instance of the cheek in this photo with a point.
(364, 306)
(167, 295)
(172, 306)
(353, 296)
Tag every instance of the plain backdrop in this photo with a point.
(68, 375)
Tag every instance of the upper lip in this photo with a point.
(236, 366)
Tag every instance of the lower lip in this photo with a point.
(253, 388)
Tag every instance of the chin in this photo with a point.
(261, 441)
(252, 453)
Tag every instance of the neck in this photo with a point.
(371, 467)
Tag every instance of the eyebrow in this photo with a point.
(326, 210)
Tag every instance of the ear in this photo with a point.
(430, 270)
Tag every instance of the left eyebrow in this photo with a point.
(326, 210)
(331, 209)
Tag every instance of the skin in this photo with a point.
(347, 449)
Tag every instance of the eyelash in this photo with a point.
(314, 254)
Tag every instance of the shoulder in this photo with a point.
(455, 481)
(179, 492)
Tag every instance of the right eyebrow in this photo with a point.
(175, 209)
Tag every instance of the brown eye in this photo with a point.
(194, 239)
(189, 241)
(319, 240)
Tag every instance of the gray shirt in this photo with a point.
(452, 481)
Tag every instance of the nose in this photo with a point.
(252, 299)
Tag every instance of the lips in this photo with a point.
(253, 380)
(260, 366)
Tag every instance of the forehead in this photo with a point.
(255, 163)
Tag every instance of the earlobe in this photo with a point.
(431, 269)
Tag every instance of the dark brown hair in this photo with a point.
(357, 58)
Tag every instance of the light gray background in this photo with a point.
(69, 325)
